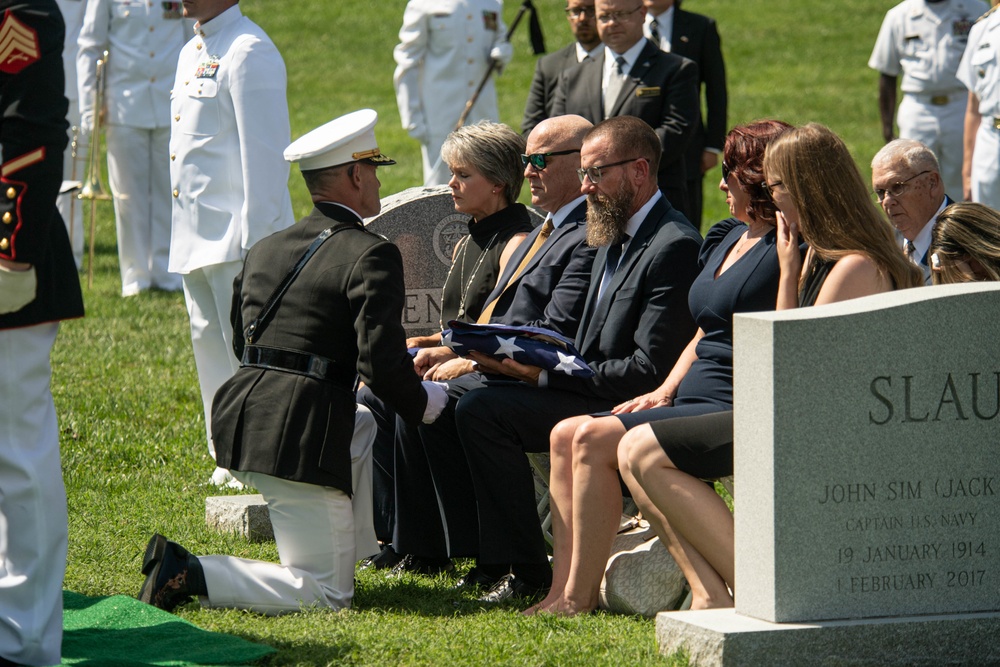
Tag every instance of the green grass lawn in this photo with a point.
(133, 441)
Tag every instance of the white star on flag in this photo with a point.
(507, 346)
(567, 363)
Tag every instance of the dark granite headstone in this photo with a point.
(424, 224)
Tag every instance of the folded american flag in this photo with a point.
(528, 345)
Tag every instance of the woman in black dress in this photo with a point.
(851, 252)
(740, 273)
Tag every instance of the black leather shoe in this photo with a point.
(383, 560)
(172, 574)
(512, 588)
(474, 579)
(418, 565)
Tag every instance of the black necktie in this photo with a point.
(654, 32)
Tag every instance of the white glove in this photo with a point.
(17, 288)
(87, 122)
(437, 399)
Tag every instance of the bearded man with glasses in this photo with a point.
(635, 324)
(906, 181)
(633, 77)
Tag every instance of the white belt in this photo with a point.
(939, 99)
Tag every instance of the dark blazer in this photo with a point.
(345, 305)
(696, 37)
(552, 289)
(662, 89)
(541, 96)
(633, 336)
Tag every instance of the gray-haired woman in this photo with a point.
(485, 163)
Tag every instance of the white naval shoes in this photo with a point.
(222, 477)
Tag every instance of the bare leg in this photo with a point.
(691, 519)
(597, 507)
(561, 506)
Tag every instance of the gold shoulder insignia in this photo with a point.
(988, 12)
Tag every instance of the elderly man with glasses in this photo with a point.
(635, 324)
(633, 77)
(906, 180)
(583, 23)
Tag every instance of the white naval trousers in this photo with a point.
(139, 177)
(941, 128)
(33, 519)
(208, 292)
(320, 533)
(436, 171)
(70, 208)
(985, 180)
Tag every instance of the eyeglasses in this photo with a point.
(581, 12)
(538, 161)
(725, 171)
(897, 189)
(769, 187)
(594, 173)
(617, 17)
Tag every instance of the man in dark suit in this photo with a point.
(696, 37)
(635, 324)
(39, 286)
(541, 96)
(634, 78)
(284, 423)
(544, 285)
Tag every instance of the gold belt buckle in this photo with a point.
(939, 100)
(996, 123)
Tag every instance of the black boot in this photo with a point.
(172, 574)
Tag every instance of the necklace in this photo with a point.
(466, 284)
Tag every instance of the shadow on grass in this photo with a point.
(419, 595)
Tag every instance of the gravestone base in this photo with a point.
(723, 638)
(246, 515)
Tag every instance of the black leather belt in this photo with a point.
(293, 361)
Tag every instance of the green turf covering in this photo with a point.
(119, 631)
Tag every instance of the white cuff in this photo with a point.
(543, 378)
(17, 289)
(437, 399)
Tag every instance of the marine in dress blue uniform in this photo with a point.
(38, 287)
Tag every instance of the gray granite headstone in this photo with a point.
(424, 224)
(868, 457)
(867, 470)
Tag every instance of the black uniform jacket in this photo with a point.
(345, 306)
(32, 138)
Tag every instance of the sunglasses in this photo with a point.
(538, 161)
(725, 171)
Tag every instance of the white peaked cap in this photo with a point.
(350, 138)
